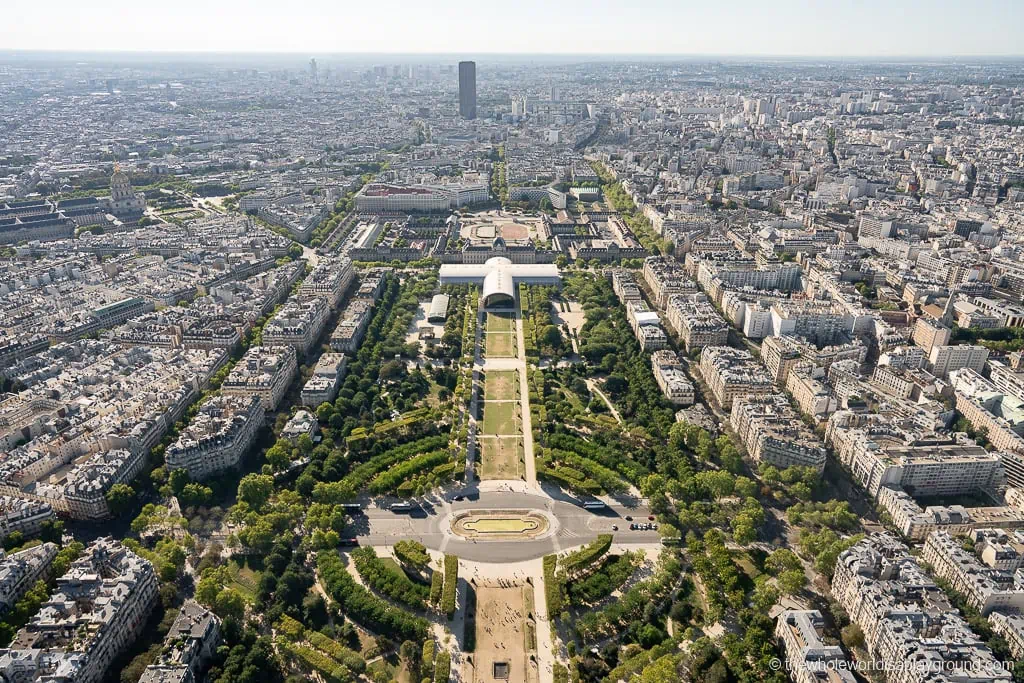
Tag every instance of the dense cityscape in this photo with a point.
(435, 369)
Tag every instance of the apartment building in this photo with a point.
(773, 434)
(646, 326)
(916, 522)
(1006, 379)
(624, 285)
(264, 371)
(784, 277)
(731, 373)
(943, 359)
(812, 395)
(986, 589)
(819, 321)
(1011, 628)
(352, 324)
(25, 516)
(878, 455)
(697, 322)
(190, 644)
(218, 437)
(19, 571)
(808, 658)
(665, 277)
(84, 496)
(323, 385)
(780, 353)
(671, 378)
(96, 612)
(1000, 415)
(930, 333)
(298, 323)
(330, 280)
(907, 621)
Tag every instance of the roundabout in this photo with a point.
(500, 525)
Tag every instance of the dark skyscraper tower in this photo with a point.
(467, 90)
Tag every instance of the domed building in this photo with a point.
(123, 201)
(516, 253)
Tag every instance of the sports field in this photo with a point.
(501, 385)
(501, 458)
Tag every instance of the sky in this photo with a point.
(871, 28)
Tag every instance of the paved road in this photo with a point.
(573, 526)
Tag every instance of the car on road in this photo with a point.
(458, 498)
(629, 518)
(650, 518)
(615, 527)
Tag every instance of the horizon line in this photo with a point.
(718, 55)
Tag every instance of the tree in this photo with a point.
(801, 490)
(195, 494)
(745, 487)
(14, 540)
(792, 581)
(119, 498)
(52, 531)
(852, 636)
(314, 610)
(550, 336)
(616, 384)
(718, 483)
(177, 479)
(743, 531)
(229, 605)
(782, 560)
(255, 489)
(410, 654)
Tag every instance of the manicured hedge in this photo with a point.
(436, 586)
(350, 658)
(429, 650)
(389, 479)
(412, 553)
(579, 560)
(552, 587)
(365, 608)
(442, 667)
(362, 474)
(389, 580)
(451, 582)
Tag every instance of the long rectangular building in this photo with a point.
(731, 373)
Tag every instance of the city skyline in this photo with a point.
(908, 28)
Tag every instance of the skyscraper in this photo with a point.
(467, 90)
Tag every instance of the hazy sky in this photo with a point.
(476, 27)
